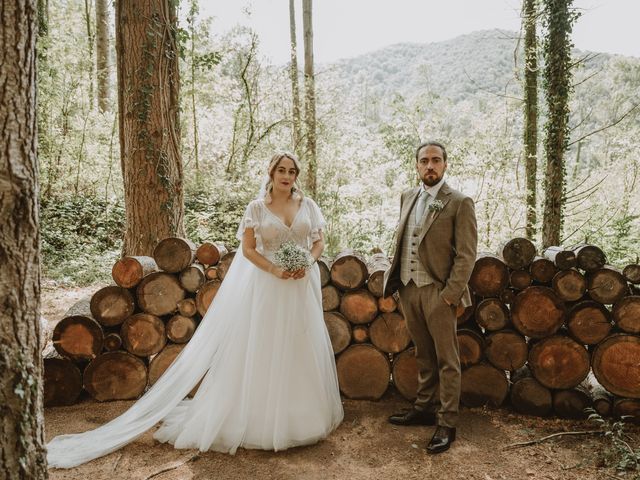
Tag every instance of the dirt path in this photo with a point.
(365, 446)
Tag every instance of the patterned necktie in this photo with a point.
(422, 203)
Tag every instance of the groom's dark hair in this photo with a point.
(435, 144)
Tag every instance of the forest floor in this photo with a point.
(364, 446)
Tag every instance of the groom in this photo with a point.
(434, 256)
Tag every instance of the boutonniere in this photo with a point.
(436, 206)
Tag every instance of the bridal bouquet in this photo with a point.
(291, 257)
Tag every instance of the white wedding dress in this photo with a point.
(264, 356)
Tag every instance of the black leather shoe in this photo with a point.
(441, 440)
(413, 417)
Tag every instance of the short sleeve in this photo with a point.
(318, 222)
(251, 219)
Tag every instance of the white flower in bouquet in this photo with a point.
(291, 257)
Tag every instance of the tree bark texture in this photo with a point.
(557, 81)
(22, 453)
(530, 112)
(102, 54)
(310, 97)
(148, 84)
(295, 87)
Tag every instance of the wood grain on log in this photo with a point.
(528, 395)
(112, 342)
(210, 253)
(192, 277)
(518, 253)
(339, 331)
(606, 285)
(387, 304)
(616, 364)
(174, 254)
(112, 305)
(129, 271)
(187, 307)
(206, 294)
(224, 264)
(491, 314)
(471, 346)
(159, 293)
(389, 333)
(349, 271)
(506, 350)
(143, 334)
(405, 373)
(589, 322)
(62, 382)
(483, 384)
(626, 314)
(570, 285)
(543, 270)
(78, 336)
(211, 273)
(330, 298)
(589, 257)
(360, 334)
(363, 372)
(115, 376)
(324, 264)
(627, 408)
(489, 277)
(537, 312)
(559, 362)
(359, 306)
(632, 273)
(376, 266)
(572, 402)
(180, 329)
(520, 279)
(561, 258)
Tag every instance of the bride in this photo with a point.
(262, 350)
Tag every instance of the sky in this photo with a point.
(347, 28)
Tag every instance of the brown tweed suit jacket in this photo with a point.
(447, 244)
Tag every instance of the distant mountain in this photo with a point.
(465, 66)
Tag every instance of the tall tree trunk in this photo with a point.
(90, 42)
(191, 20)
(530, 111)
(22, 452)
(149, 122)
(557, 83)
(43, 18)
(295, 89)
(310, 96)
(102, 54)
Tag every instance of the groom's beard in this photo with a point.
(431, 178)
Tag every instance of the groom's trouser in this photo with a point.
(432, 326)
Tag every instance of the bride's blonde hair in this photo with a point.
(273, 164)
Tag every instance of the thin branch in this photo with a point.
(606, 127)
(588, 56)
(489, 91)
(554, 435)
(598, 72)
(173, 466)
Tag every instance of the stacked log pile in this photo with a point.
(119, 341)
(548, 333)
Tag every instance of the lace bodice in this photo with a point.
(270, 231)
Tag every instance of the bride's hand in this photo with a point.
(298, 274)
(280, 273)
